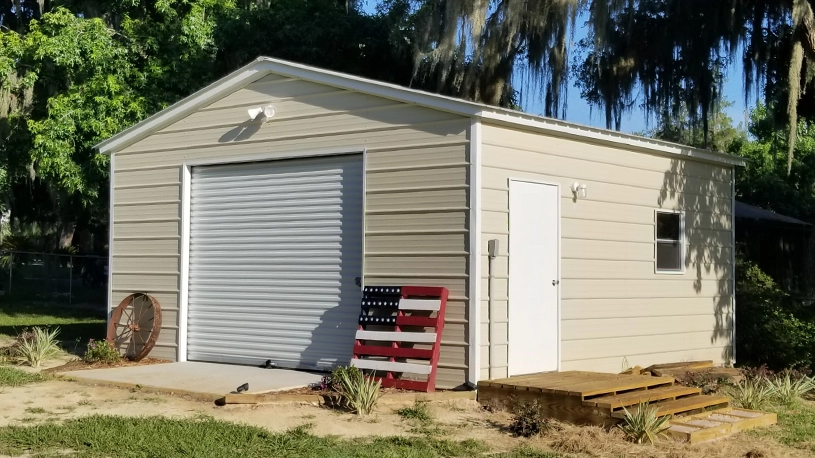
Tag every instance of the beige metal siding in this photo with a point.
(416, 199)
(614, 308)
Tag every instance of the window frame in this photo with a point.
(682, 242)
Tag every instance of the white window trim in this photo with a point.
(682, 242)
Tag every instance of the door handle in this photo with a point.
(555, 282)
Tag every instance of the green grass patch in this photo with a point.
(35, 410)
(796, 426)
(419, 411)
(75, 323)
(10, 376)
(104, 436)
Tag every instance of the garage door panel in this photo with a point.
(274, 251)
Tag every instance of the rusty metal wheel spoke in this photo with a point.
(135, 325)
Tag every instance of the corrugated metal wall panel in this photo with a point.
(607, 266)
(399, 142)
(274, 251)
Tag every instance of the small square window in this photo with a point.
(669, 242)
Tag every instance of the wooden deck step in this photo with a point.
(682, 405)
(632, 398)
(718, 423)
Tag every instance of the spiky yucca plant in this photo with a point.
(753, 394)
(359, 393)
(789, 390)
(644, 424)
(40, 346)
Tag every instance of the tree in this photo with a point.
(475, 48)
(80, 72)
(670, 55)
(720, 136)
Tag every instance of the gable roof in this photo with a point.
(265, 65)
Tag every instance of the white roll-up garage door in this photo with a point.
(275, 248)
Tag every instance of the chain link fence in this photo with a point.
(66, 279)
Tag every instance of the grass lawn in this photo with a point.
(74, 322)
(104, 436)
(10, 376)
(796, 427)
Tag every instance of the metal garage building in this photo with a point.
(253, 209)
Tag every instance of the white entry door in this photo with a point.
(534, 252)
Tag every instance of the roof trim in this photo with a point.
(265, 65)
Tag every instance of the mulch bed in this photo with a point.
(80, 365)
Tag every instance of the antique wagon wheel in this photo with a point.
(135, 325)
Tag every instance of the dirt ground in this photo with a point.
(453, 419)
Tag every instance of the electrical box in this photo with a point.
(492, 248)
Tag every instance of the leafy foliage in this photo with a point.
(38, 346)
(101, 351)
(772, 327)
(753, 393)
(75, 73)
(359, 393)
(644, 424)
(789, 389)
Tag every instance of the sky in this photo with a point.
(579, 111)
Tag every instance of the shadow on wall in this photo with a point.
(704, 193)
(241, 132)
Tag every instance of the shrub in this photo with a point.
(707, 381)
(789, 389)
(772, 327)
(753, 393)
(101, 351)
(644, 424)
(359, 393)
(38, 346)
(528, 420)
(419, 411)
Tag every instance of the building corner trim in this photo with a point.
(474, 373)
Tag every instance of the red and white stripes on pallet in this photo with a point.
(385, 308)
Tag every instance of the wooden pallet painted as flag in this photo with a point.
(382, 344)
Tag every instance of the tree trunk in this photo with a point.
(66, 235)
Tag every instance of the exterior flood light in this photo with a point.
(261, 114)
(580, 190)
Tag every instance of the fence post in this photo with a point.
(71, 280)
(10, 268)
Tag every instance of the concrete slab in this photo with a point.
(209, 380)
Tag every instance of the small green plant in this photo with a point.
(101, 351)
(528, 420)
(359, 393)
(41, 345)
(36, 410)
(789, 389)
(644, 424)
(419, 411)
(753, 393)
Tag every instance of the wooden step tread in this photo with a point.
(681, 405)
(718, 423)
(635, 397)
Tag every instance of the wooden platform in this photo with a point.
(596, 398)
(718, 423)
